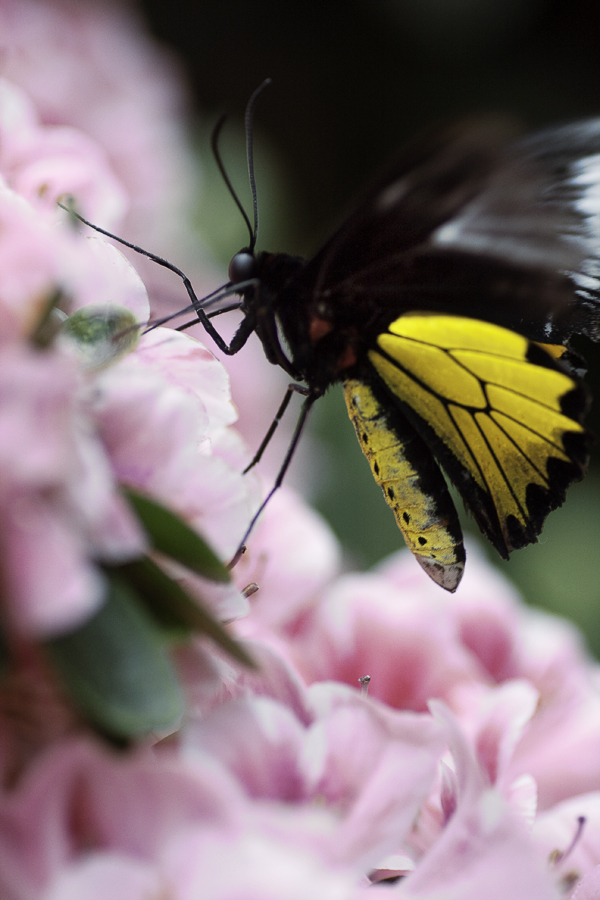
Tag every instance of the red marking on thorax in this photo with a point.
(347, 359)
(318, 328)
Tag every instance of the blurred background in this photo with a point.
(352, 80)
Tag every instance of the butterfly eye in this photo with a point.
(242, 267)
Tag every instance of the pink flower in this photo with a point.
(484, 849)
(92, 68)
(416, 643)
(365, 625)
(374, 792)
(61, 507)
(79, 798)
(43, 163)
(166, 434)
(164, 416)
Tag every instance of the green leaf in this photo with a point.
(174, 609)
(171, 536)
(116, 668)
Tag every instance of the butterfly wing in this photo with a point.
(502, 417)
(472, 221)
(571, 156)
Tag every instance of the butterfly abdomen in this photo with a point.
(412, 484)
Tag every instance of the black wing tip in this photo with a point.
(542, 501)
(575, 403)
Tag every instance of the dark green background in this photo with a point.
(350, 81)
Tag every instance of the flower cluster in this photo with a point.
(89, 409)
(470, 766)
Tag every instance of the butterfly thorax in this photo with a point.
(324, 338)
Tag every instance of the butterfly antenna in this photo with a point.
(197, 304)
(214, 143)
(249, 125)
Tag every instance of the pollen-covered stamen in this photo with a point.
(559, 856)
(236, 557)
(568, 881)
(364, 685)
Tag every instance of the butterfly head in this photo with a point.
(243, 267)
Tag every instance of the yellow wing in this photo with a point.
(501, 415)
(412, 484)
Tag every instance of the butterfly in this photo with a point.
(444, 305)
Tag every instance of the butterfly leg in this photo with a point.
(306, 407)
(292, 389)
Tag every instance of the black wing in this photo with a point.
(471, 222)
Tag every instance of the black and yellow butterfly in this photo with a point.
(444, 305)
(439, 304)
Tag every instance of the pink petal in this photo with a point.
(95, 271)
(259, 740)
(482, 853)
(381, 785)
(226, 865)
(211, 679)
(589, 886)
(293, 554)
(365, 625)
(51, 583)
(148, 427)
(106, 876)
(79, 798)
(509, 708)
(186, 363)
(36, 397)
(30, 255)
